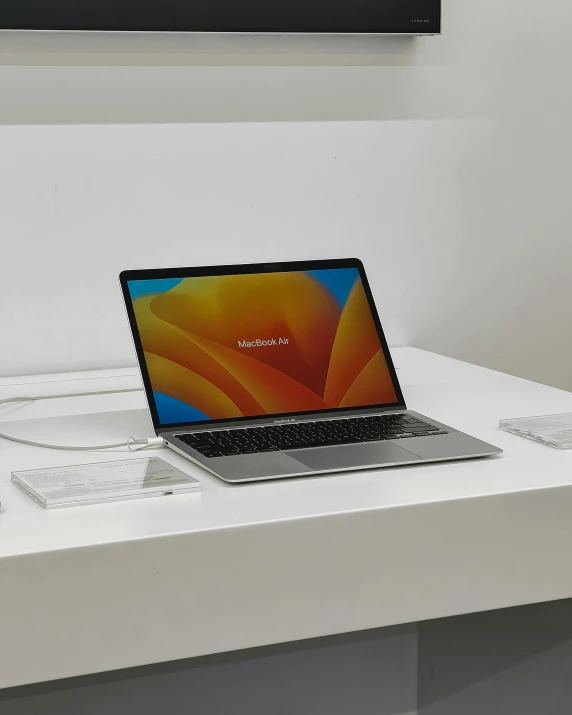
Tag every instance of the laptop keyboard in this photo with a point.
(301, 435)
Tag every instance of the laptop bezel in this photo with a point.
(236, 269)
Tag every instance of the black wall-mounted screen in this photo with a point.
(246, 16)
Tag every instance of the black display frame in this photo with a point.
(369, 17)
(191, 272)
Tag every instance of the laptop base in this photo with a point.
(339, 458)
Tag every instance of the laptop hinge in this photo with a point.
(269, 419)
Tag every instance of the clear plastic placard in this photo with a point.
(58, 487)
(553, 430)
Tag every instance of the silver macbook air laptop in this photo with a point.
(277, 370)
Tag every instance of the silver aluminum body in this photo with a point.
(336, 458)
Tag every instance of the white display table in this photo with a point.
(99, 588)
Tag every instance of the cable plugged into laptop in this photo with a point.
(134, 445)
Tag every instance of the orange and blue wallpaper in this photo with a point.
(256, 344)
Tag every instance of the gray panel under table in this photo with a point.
(368, 673)
(516, 661)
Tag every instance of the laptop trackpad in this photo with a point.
(353, 455)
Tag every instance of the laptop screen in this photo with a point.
(256, 344)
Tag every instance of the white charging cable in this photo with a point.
(131, 443)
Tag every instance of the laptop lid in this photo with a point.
(231, 343)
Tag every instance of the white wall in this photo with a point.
(445, 163)
(87, 202)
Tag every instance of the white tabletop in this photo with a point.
(107, 586)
